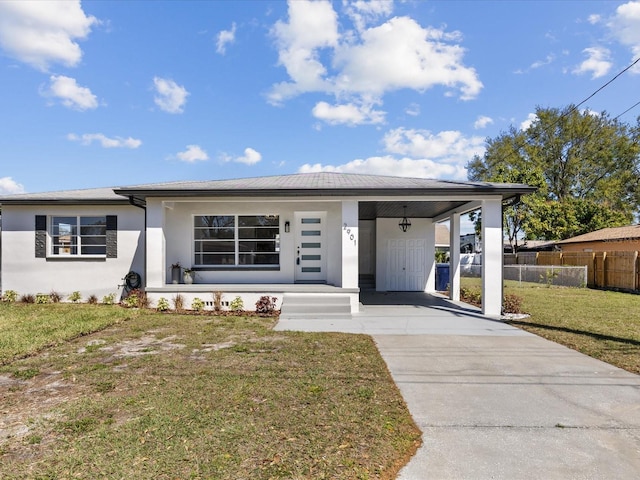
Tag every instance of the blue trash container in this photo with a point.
(442, 276)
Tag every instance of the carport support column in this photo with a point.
(350, 241)
(155, 244)
(454, 257)
(492, 252)
(430, 258)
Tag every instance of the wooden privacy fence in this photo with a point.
(619, 270)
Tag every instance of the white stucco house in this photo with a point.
(315, 233)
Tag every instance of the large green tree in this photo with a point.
(586, 167)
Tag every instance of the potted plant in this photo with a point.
(175, 272)
(188, 275)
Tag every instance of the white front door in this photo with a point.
(405, 265)
(311, 247)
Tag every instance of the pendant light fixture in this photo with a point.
(405, 223)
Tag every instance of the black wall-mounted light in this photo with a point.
(287, 227)
(405, 223)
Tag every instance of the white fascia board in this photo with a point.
(467, 207)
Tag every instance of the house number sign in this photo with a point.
(347, 232)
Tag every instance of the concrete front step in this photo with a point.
(315, 306)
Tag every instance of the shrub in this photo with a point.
(163, 304)
(109, 299)
(92, 299)
(27, 298)
(237, 305)
(136, 299)
(143, 299)
(55, 297)
(131, 300)
(178, 302)
(442, 256)
(472, 296)
(217, 301)
(197, 304)
(10, 296)
(42, 298)
(266, 305)
(75, 297)
(512, 303)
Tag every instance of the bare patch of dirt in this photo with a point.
(26, 403)
(145, 345)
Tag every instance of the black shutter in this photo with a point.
(41, 236)
(112, 236)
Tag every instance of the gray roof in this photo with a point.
(629, 232)
(93, 196)
(323, 183)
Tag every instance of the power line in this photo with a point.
(609, 82)
(575, 107)
(628, 109)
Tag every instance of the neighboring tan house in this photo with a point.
(614, 239)
(312, 233)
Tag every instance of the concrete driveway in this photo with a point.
(495, 402)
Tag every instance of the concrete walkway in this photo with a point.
(494, 402)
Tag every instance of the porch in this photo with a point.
(285, 235)
(321, 294)
(404, 313)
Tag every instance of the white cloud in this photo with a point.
(8, 186)
(250, 157)
(170, 96)
(594, 19)
(71, 95)
(401, 54)
(348, 114)
(451, 147)
(413, 110)
(224, 38)
(415, 153)
(531, 118)
(193, 153)
(541, 63)
(389, 165)
(597, 62)
(311, 26)
(104, 141)
(43, 33)
(482, 121)
(625, 26)
(361, 67)
(364, 12)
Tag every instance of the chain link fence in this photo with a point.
(543, 274)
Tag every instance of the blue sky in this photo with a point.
(109, 93)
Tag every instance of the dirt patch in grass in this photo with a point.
(171, 396)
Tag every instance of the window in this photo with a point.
(78, 235)
(236, 240)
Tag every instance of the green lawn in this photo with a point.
(602, 324)
(155, 396)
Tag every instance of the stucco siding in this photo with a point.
(26, 274)
(177, 243)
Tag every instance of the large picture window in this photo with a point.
(236, 240)
(78, 235)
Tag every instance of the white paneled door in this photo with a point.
(311, 247)
(406, 265)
